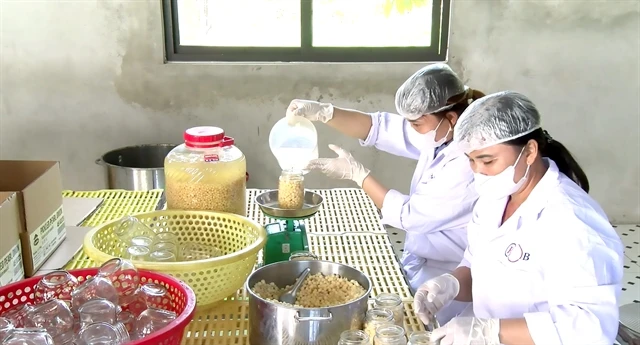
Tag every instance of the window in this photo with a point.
(306, 30)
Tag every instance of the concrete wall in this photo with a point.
(81, 78)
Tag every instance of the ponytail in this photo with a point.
(558, 153)
(462, 101)
(555, 151)
(474, 95)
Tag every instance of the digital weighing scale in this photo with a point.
(288, 234)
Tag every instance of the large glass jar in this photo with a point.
(206, 173)
(393, 303)
(390, 335)
(376, 318)
(354, 338)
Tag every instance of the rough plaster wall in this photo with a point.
(82, 78)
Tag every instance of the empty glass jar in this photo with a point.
(354, 338)
(97, 310)
(152, 320)
(22, 336)
(390, 335)
(18, 314)
(421, 338)
(6, 327)
(56, 284)
(123, 276)
(393, 303)
(55, 317)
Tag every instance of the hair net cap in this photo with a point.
(427, 91)
(495, 119)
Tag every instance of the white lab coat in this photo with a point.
(556, 261)
(436, 213)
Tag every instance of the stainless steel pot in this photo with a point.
(271, 323)
(136, 167)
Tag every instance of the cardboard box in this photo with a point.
(11, 269)
(38, 186)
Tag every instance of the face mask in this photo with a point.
(430, 136)
(501, 185)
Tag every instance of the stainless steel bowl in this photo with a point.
(268, 202)
(136, 167)
(272, 323)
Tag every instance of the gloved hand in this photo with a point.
(343, 167)
(468, 331)
(435, 294)
(310, 110)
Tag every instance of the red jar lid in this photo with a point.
(206, 137)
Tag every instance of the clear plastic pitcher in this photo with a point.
(294, 142)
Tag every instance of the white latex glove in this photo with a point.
(310, 110)
(343, 167)
(468, 331)
(435, 294)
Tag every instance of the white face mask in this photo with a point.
(430, 136)
(501, 185)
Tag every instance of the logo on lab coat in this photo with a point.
(514, 253)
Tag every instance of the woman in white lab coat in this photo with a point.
(544, 265)
(438, 207)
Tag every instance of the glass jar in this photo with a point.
(421, 338)
(302, 255)
(294, 143)
(393, 303)
(390, 335)
(206, 173)
(376, 318)
(354, 338)
(291, 190)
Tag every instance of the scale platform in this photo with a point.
(288, 234)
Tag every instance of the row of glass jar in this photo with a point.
(387, 335)
(384, 325)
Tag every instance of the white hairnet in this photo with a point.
(427, 91)
(495, 119)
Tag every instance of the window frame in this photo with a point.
(175, 52)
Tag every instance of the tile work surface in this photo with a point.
(368, 249)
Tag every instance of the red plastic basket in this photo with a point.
(181, 301)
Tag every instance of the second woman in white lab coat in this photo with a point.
(438, 207)
(544, 265)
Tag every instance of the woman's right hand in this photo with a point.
(310, 110)
(435, 294)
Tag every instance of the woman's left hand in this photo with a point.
(342, 167)
(468, 331)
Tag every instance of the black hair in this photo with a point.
(461, 102)
(555, 151)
